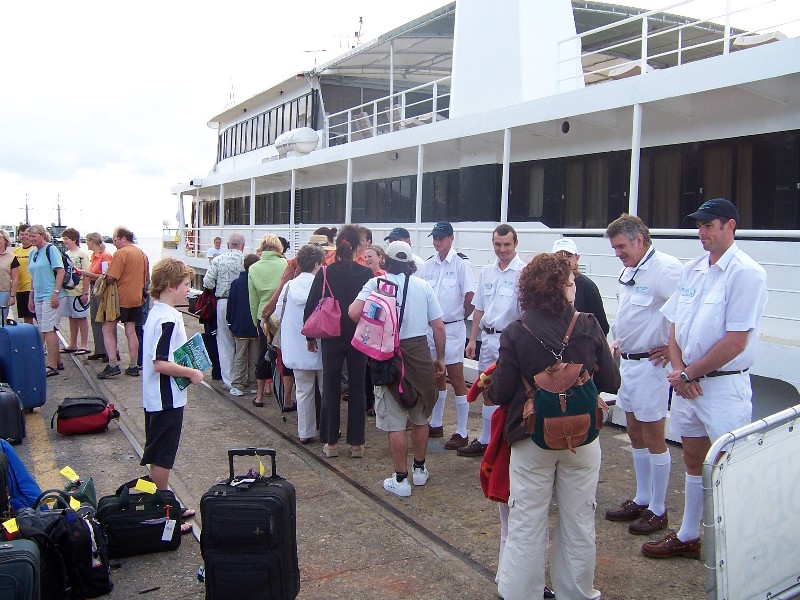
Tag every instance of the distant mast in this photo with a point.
(27, 217)
(58, 210)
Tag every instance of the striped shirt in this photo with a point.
(224, 270)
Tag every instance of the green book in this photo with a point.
(191, 354)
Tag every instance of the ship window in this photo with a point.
(323, 204)
(211, 212)
(237, 210)
(385, 200)
(272, 209)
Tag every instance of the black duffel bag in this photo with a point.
(135, 522)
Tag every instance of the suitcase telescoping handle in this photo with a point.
(251, 452)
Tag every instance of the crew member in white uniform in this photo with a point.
(496, 305)
(450, 275)
(716, 315)
(641, 333)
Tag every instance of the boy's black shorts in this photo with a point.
(162, 433)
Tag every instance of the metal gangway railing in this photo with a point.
(751, 523)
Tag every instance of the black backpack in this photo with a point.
(72, 277)
(80, 541)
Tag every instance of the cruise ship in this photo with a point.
(555, 117)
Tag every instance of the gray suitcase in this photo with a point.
(19, 570)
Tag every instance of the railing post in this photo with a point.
(680, 46)
(326, 131)
(349, 126)
(375, 118)
(636, 147)
(506, 170)
(727, 37)
(435, 105)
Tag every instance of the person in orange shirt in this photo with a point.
(130, 270)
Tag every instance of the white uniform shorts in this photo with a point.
(490, 350)
(644, 390)
(724, 406)
(455, 344)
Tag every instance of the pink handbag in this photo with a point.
(326, 320)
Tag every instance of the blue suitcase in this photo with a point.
(22, 362)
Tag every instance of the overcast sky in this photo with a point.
(106, 104)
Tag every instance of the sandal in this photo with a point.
(51, 372)
(68, 350)
(81, 351)
(258, 404)
(188, 513)
(288, 409)
(186, 528)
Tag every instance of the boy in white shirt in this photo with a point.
(163, 401)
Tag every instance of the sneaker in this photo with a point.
(132, 371)
(235, 392)
(420, 475)
(455, 442)
(108, 372)
(398, 488)
(435, 432)
(474, 448)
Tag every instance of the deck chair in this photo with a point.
(362, 127)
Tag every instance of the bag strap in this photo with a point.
(564, 341)
(403, 306)
(325, 284)
(285, 294)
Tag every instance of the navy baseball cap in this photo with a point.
(718, 208)
(398, 233)
(442, 229)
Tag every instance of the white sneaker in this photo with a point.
(398, 488)
(420, 476)
(235, 392)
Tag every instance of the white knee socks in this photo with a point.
(659, 472)
(486, 429)
(644, 482)
(438, 410)
(692, 508)
(462, 413)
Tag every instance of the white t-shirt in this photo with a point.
(422, 307)
(163, 334)
(212, 252)
(451, 280)
(711, 300)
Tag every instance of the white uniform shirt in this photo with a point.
(419, 263)
(714, 299)
(497, 294)
(163, 334)
(451, 280)
(422, 307)
(639, 325)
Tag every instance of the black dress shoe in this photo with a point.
(96, 356)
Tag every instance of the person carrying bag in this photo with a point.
(325, 321)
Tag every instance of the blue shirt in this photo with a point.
(42, 274)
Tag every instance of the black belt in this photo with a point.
(636, 356)
(721, 373)
(450, 322)
(491, 330)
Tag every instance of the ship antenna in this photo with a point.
(27, 218)
(358, 33)
(58, 208)
(232, 96)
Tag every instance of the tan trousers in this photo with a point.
(244, 363)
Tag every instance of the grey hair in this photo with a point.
(630, 226)
(236, 239)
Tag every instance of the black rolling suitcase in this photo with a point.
(19, 570)
(249, 541)
(12, 419)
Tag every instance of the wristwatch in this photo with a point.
(684, 377)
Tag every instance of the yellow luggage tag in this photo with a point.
(70, 474)
(11, 526)
(261, 469)
(74, 504)
(148, 487)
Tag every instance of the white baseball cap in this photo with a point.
(399, 251)
(565, 245)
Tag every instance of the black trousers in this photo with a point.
(334, 354)
(263, 366)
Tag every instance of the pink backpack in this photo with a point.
(378, 330)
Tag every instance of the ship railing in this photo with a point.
(623, 49)
(420, 105)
